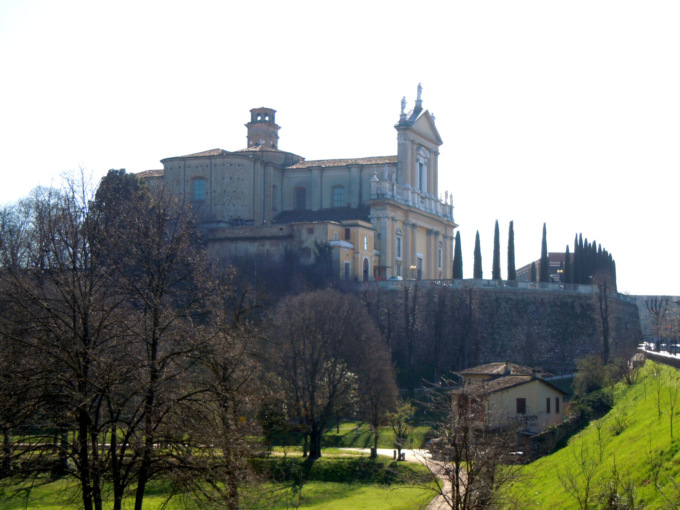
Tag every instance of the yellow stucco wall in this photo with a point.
(502, 405)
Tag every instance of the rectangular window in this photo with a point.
(199, 190)
(365, 243)
(419, 274)
(300, 198)
(557, 404)
(398, 247)
(547, 405)
(347, 236)
(398, 268)
(335, 236)
(521, 406)
(440, 259)
(347, 270)
(338, 196)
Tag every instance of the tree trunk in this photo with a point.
(6, 468)
(83, 454)
(315, 436)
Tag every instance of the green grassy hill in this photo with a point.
(627, 459)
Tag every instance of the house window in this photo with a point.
(398, 247)
(557, 404)
(439, 260)
(421, 177)
(347, 236)
(338, 196)
(348, 270)
(300, 198)
(335, 235)
(199, 190)
(521, 406)
(365, 271)
(547, 405)
(365, 243)
(419, 274)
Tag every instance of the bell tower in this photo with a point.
(262, 129)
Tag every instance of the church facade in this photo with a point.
(381, 216)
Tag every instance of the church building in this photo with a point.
(382, 216)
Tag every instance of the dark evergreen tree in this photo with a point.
(582, 262)
(567, 276)
(477, 270)
(496, 268)
(512, 273)
(532, 276)
(458, 259)
(544, 269)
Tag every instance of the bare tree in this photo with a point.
(670, 401)
(378, 391)
(657, 309)
(605, 286)
(472, 458)
(317, 341)
(579, 481)
(401, 422)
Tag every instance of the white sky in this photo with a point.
(560, 112)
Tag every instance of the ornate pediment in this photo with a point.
(425, 127)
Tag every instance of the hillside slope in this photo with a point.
(627, 459)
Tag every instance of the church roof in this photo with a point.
(330, 214)
(150, 173)
(324, 163)
(211, 152)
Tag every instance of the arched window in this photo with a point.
(199, 190)
(399, 244)
(337, 196)
(365, 271)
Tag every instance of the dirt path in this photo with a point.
(422, 457)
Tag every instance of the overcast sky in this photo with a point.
(560, 112)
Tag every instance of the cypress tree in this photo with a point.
(544, 270)
(512, 273)
(532, 275)
(575, 267)
(477, 269)
(496, 268)
(582, 261)
(458, 259)
(567, 276)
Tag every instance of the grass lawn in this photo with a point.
(354, 434)
(340, 480)
(631, 445)
(343, 496)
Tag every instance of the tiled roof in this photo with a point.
(211, 152)
(258, 148)
(500, 384)
(323, 163)
(499, 368)
(150, 173)
(503, 383)
(332, 214)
